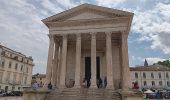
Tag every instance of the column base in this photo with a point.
(93, 87)
(109, 87)
(77, 86)
(61, 87)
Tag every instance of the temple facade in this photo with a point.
(89, 43)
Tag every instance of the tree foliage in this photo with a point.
(164, 63)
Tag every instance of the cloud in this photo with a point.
(22, 29)
(154, 25)
(109, 3)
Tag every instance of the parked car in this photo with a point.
(14, 93)
(17, 93)
(3, 93)
(10, 93)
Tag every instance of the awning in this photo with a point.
(148, 91)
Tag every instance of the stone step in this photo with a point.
(84, 94)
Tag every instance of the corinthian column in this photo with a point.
(93, 61)
(109, 60)
(50, 58)
(63, 62)
(125, 62)
(55, 62)
(78, 61)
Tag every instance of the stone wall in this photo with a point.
(116, 66)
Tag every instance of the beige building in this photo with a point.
(15, 69)
(151, 76)
(39, 78)
(89, 42)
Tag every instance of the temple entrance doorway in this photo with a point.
(88, 69)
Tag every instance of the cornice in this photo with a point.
(88, 22)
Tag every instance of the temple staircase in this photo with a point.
(83, 94)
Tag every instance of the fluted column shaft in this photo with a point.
(78, 61)
(59, 63)
(50, 60)
(109, 64)
(125, 62)
(55, 62)
(63, 62)
(93, 61)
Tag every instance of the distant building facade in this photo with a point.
(39, 78)
(15, 70)
(151, 76)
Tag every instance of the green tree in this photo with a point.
(164, 63)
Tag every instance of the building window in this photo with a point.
(160, 83)
(8, 76)
(3, 53)
(144, 83)
(18, 88)
(159, 74)
(27, 70)
(153, 83)
(167, 75)
(152, 76)
(168, 83)
(10, 63)
(144, 75)
(14, 77)
(16, 66)
(13, 88)
(21, 67)
(3, 63)
(6, 88)
(1, 76)
(16, 57)
(40, 78)
(10, 55)
(25, 81)
(136, 75)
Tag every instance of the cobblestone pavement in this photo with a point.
(11, 98)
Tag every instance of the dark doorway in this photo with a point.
(98, 67)
(88, 69)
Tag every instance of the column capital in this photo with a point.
(51, 36)
(57, 39)
(78, 36)
(124, 38)
(108, 34)
(124, 34)
(64, 36)
(93, 35)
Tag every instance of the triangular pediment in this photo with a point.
(87, 11)
(87, 15)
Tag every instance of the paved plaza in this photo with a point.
(11, 98)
